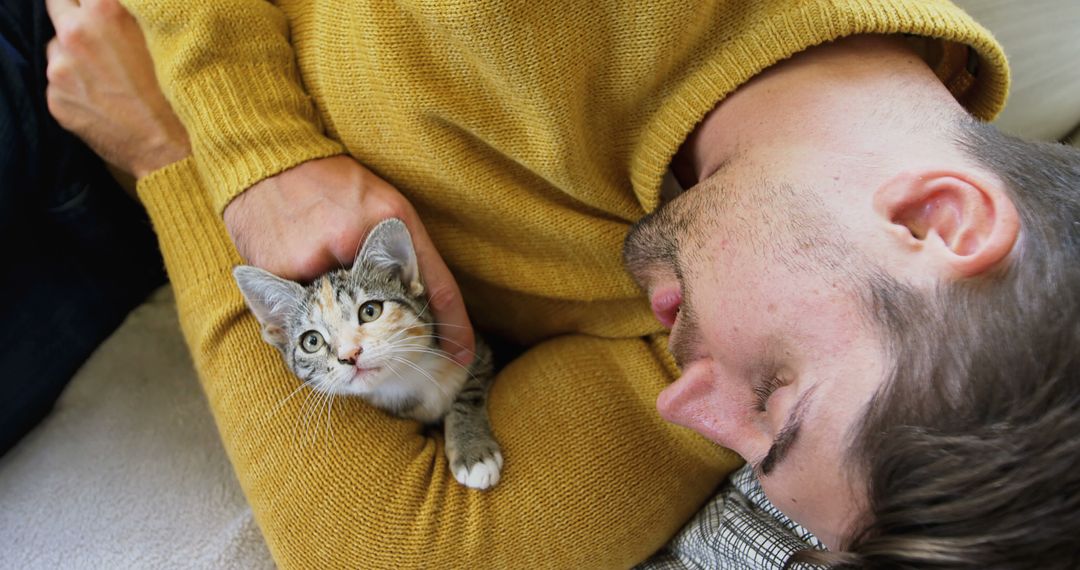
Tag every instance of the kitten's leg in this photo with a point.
(475, 456)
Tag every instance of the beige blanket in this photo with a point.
(128, 472)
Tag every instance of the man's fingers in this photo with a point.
(58, 69)
(58, 73)
(445, 301)
(452, 322)
(58, 9)
(54, 58)
(52, 49)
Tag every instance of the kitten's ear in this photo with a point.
(389, 246)
(271, 299)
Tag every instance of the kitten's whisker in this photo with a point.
(356, 252)
(329, 416)
(317, 414)
(442, 338)
(422, 372)
(450, 359)
(416, 323)
(414, 366)
(453, 342)
(302, 417)
(435, 337)
(396, 373)
(409, 342)
(394, 370)
(311, 405)
(297, 441)
(303, 383)
(328, 396)
(404, 330)
(438, 325)
(317, 411)
(400, 349)
(395, 341)
(448, 325)
(427, 302)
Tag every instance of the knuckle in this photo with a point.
(343, 235)
(387, 209)
(302, 263)
(55, 105)
(348, 251)
(307, 270)
(109, 8)
(299, 261)
(71, 32)
(52, 49)
(57, 71)
(389, 204)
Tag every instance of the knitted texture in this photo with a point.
(593, 479)
(529, 136)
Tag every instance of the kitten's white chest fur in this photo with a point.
(423, 391)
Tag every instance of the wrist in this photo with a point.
(161, 154)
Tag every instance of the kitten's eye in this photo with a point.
(312, 341)
(370, 311)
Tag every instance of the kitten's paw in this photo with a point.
(477, 468)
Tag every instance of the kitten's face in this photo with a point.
(353, 331)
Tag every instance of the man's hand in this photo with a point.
(313, 218)
(102, 87)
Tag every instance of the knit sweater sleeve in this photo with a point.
(228, 68)
(593, 477)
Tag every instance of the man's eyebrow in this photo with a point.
(787, 436)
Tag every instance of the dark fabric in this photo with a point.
(79, 254)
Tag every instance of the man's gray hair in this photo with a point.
(971, 449)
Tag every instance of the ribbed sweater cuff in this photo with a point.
(247, 124)
(192, 237)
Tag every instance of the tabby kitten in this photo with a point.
(367, 332)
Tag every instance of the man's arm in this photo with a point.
(289, 206)
(229, 70)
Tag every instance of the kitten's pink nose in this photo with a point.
(350, 358)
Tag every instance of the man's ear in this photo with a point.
(964, 223)
(271, 299)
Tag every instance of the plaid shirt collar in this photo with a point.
(739, 529)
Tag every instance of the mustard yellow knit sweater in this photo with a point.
(529, 135)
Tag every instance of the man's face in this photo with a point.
(770, 331)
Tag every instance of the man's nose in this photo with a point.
(701, 402)
(349, 355)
